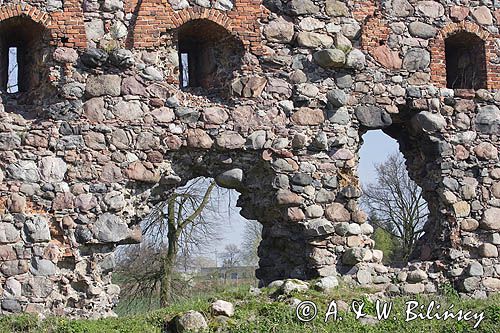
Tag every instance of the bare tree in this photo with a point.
(252, 235)
(182, 224)
(395, 203)
(231, 255)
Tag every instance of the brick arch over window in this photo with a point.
(438, 53)
(15, 10)
(181, 17)
(65, 27)
(152, 18)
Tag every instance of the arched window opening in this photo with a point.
(21, 42)
(208, 56)
(465, 61)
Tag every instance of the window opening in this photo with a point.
(13, 71)
(22, 55)
(184, 70)
(465, 61)
(208, 57)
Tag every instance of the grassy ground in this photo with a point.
(261, 314)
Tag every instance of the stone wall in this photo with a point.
(108, 132)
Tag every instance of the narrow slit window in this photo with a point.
(185, 70)
(13, 71)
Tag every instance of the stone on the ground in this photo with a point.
(191, 321)
(224, 308)
(293, 285)
(327, 283)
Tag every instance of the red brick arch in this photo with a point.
(67, 23)
(214, 15)
(154, 17)
(437, 47)
(14, 10)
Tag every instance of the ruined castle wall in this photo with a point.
(107, 132)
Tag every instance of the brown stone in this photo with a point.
(130, 86)
(308, 117)
(354, 241)
(68, 222)
(336, 212)
(230, 140)
(465, 105)
(488, 250)
(254, 86)
(173, 142)
(459, 13)
(419, 78)
(295, 214)
(495, 190)
(286, 197)
(85, 202)
(469, 224)
(461, 208)
(491, 283)
(137, 171)
(386, 57)
(65, 55)
(17, 203)
(7, 253)
(95, 140)
(496, 14)
(461, 152)
(359, 216)
(486, 151)
(198, 138)
(111, 173)
(163, 115)
(37, 140)
(215, 115)
(63, 200)
(155, 157)
(482, 15)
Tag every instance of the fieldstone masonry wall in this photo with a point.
(107, 132)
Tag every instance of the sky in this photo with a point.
(376, 148)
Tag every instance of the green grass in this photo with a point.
(262, 314)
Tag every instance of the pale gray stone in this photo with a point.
(230, 179)
(110, 228)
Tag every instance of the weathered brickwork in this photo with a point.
(275, 98)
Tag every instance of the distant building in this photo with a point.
(235, 273)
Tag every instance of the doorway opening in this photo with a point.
(394, 202)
